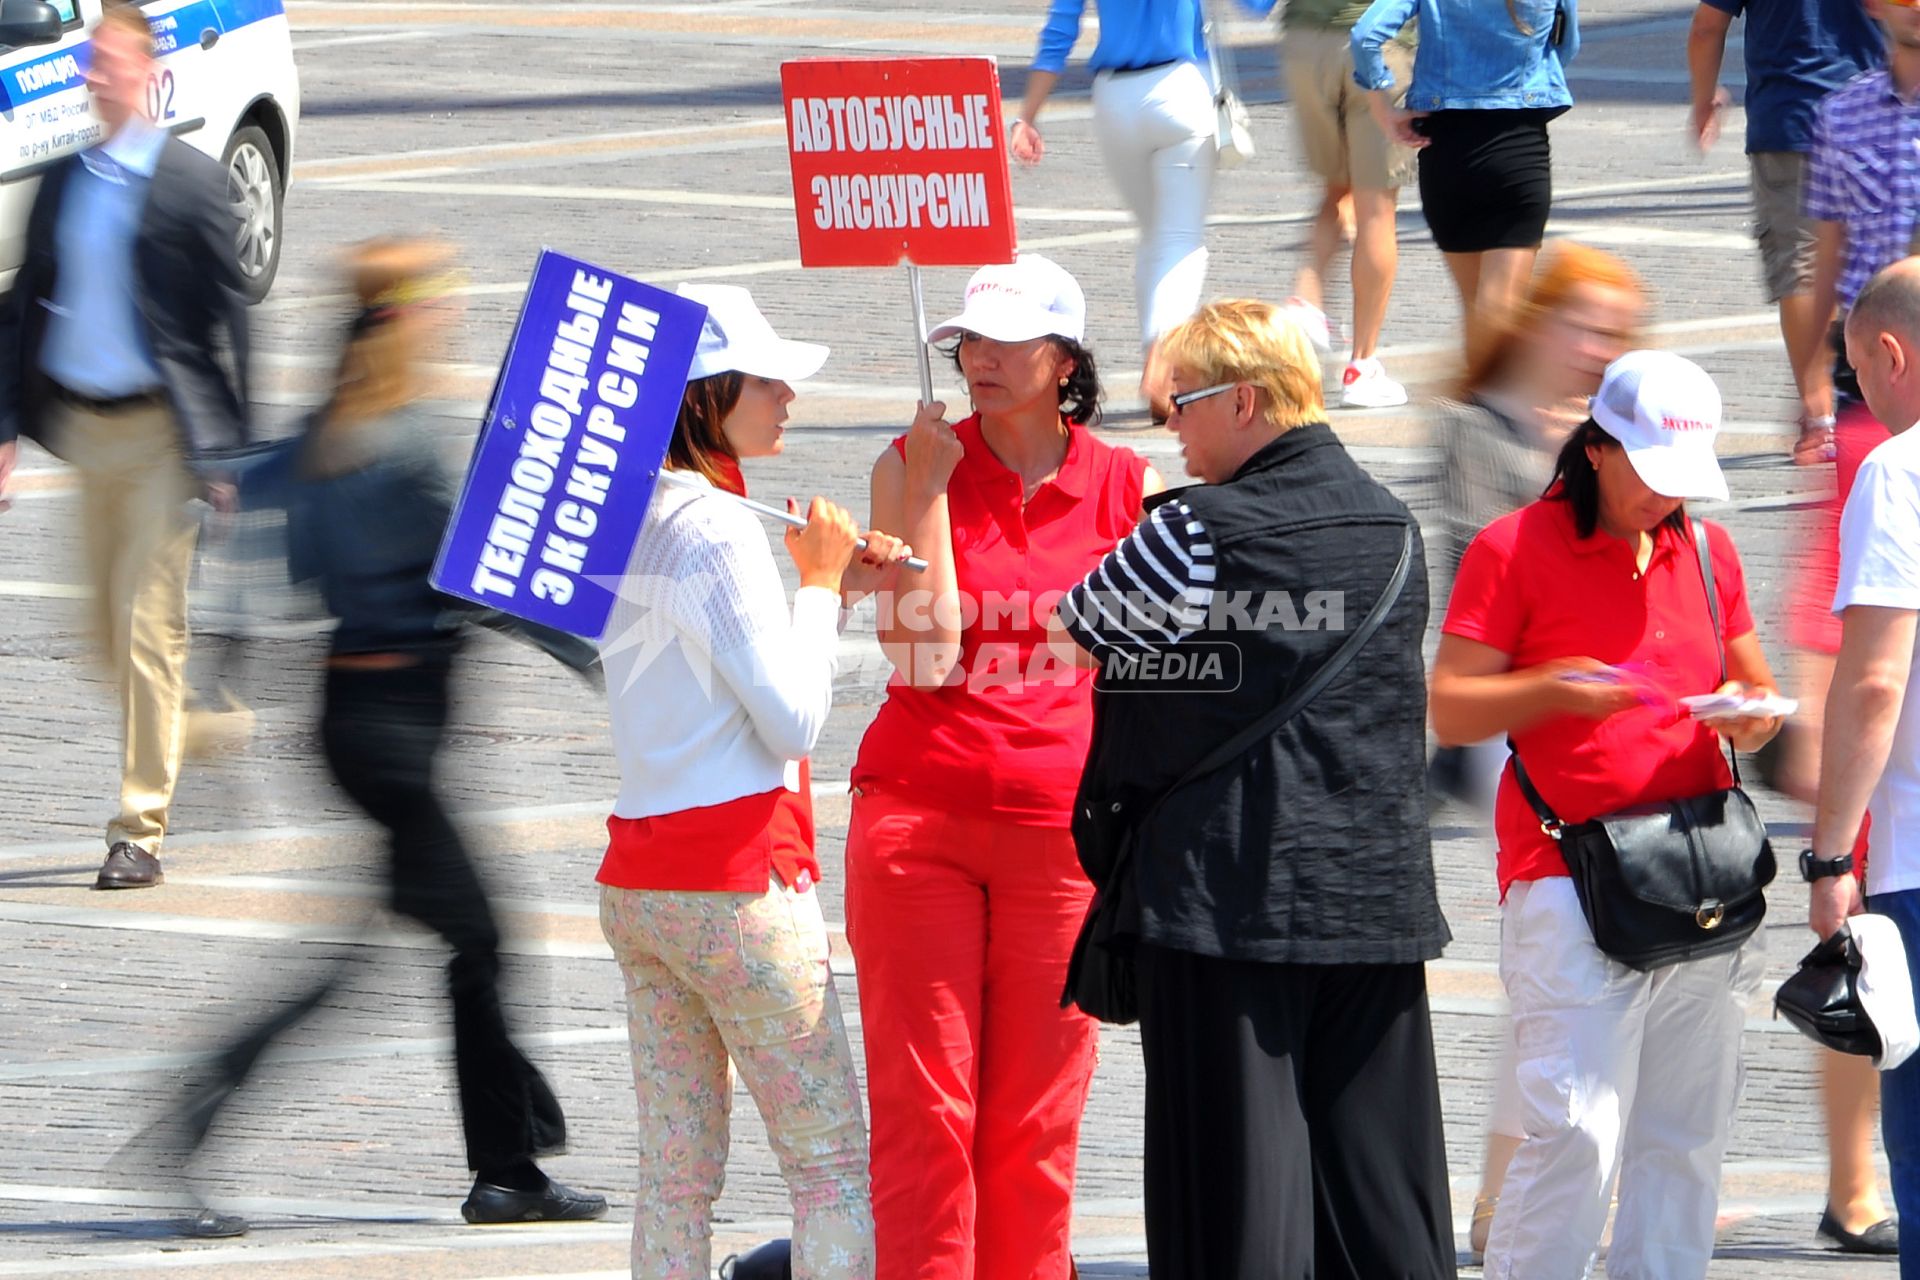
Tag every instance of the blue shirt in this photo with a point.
(1474, 54)
(1799, 51)
(1133, 33)
(94, 342)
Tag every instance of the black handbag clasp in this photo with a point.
(1710, 913)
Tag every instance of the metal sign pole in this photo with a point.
(920, 333)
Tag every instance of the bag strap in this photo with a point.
(1233, 748)
(1699, 528)
(1225, 80)
(1549, 822)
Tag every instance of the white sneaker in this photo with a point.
(1313, 320)
(1365, 385)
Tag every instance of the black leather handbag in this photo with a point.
(1822, 998)
(1668, 882)
(1100, 972)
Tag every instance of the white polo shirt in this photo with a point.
(1880, 566)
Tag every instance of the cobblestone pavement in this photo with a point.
(647, 136)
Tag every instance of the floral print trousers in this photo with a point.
(716, 975)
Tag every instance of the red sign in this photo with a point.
(898, 158)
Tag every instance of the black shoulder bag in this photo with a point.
(1669, 882)
(1100, 973)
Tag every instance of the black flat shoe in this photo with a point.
(1883, 1237)
(208, 1225)
(489, 1204)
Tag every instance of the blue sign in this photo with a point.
(565, 465)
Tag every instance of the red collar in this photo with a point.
(1076, 467)
(732, 479)
(1601, 543)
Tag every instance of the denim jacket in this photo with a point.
(368, 532)
(1473, 54)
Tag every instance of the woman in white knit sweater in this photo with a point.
(718, 691)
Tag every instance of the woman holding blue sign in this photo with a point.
(718, 690)
(964, 893)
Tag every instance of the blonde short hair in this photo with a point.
(126, 16)
(1241, 340)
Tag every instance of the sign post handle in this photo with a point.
(920, 333)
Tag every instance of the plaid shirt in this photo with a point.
(1865, 172)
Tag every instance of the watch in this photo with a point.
(1812, 868)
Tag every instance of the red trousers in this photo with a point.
(961, 926)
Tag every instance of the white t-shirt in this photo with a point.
(1880, 566)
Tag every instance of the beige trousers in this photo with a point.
(139, 539)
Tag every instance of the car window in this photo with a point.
(69, 12)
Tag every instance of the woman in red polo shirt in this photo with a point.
(964, 893)
(1575, 624)
(718, 691)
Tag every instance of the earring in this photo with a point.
(1063, 382)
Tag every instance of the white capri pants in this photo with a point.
(1642, 1069)
(1156, 132)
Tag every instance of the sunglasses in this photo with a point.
(1186, 398)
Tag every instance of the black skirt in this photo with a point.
(1486, 179)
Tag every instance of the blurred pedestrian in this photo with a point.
(108, 358)
(963, 890)
(1361, 171)
(368, 500)
(1523, 395)
(1280, 892)
(1870, 749)
(1153, 114)
(1797, 52)
(1488, 79)
(718, 690)
(1574, 626)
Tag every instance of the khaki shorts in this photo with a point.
(1785, 233)
(1343, 144)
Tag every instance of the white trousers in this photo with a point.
(1156, 132)
(1615, 1067)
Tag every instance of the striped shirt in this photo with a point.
(1864, 172)
(1155, 589)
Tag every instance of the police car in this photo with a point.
(224, 82)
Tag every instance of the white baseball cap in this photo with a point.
(736, 337)
(1885, 988)
(1665, 411)
(1030, 297)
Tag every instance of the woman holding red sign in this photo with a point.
(964, 893)
(1153, 112)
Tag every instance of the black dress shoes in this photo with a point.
(128, 866)
(488, 1204)
(1883, 1237)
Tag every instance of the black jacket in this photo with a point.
(1313, 848)
(189, 287)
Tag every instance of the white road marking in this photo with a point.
(75, 845)
(42, 590)
(303, 45)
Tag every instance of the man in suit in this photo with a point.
(107, 357)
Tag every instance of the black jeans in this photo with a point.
(1293, 1122)
(382, 731)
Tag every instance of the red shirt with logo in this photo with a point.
(1532, 588)
(1008, 734)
